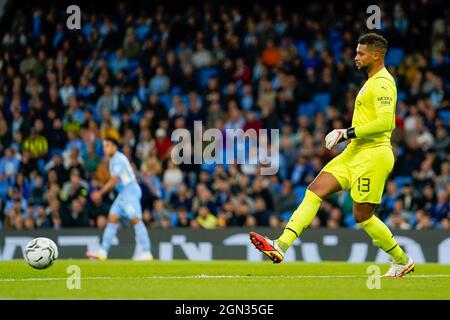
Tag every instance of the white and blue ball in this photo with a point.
(40, 253)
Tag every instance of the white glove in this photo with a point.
(334, 137)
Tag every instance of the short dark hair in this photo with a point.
(374, 40)
(112, 140)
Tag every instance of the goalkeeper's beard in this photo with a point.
(365, 69)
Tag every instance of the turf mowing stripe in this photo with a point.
(220, 277)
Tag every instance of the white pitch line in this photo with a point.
(204, 276)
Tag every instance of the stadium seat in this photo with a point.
(210, 168)
(142, 31)
(401, 96)
(412, 220)
(299, 192)
(276, 188)
(302, 49)
(402, 180)
(285, 216)
(336, 44)
(133, 64)
(173, 218)
(349, 221)
(185, 99)
(445, 116)
(321, 101)
(166, 100)
(394, 57)
(305, 109)
(447, 86)
(175, 90)
(205, 74)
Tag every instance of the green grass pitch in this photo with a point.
(218, 280)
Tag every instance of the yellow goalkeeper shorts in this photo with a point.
(364, 172)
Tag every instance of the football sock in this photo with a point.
(300, 219)
(108, 235)
(142, 236)
(383, 238)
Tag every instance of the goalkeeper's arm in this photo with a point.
(382, 123)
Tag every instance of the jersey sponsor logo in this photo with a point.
(384, 100)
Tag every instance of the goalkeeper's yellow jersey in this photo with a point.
(374, 114)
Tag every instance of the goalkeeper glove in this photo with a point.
(337, 136)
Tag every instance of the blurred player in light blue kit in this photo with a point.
(127, 204)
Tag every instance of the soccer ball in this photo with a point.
(40, 253)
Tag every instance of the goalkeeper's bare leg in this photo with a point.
(323, 185)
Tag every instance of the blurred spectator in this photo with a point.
(423, 220)
(9, 164)
(36, 144)
(74, 188)
(75, 216)
(137, 75)
(399, 218)
(183, 219)
(163, 144)
(172, 179)
(442, 208)
(285, 201)
(42, 220)
(98, 210)
(205, 218)
(161, 217)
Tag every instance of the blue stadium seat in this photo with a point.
(402, 180)
(394, 57)
(166, 100)
(447, 86)
(321, 101)
(336, 50)
(133, 64)
(337, 44)
(302, 49)
(445, 116)
(401, 96)
(276, 188)
(412, 220)
(305, 109)
(285, 216)
(173, 219)
(299, 192)
(205, 74)
(175, 90)
(185, 99)
(349, 220)
(210, 168)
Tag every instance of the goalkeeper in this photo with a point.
(363, 167)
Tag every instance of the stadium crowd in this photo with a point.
(137, 73)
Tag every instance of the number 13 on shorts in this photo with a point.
(364, 184)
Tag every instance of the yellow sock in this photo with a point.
(383, 238)
(300, 219)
